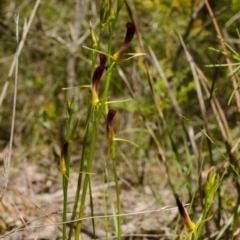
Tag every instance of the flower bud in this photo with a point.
(211, 187)
(184, 215)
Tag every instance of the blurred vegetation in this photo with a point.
(53, 58)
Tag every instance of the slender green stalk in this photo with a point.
(80, 176)
(65, 189)
(65, 175)
(212, 184)
(96, 117)
(96, 121)
(65, 186)
(67, 151)
(64, 206)
(113, 155)
(105, 199)
(92, 212)
(90, 109)
(86, 180)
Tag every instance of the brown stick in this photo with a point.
(230, 67)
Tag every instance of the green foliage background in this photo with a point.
(43, 73)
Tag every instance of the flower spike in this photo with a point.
(128, 38)
(109, 126)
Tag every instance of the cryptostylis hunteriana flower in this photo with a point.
(109, 126)
(96, 78)
(63, 158)
(184, 215)
(128, 38)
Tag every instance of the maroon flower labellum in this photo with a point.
(103, 59)
(110, 130)
(129, 35)
(128, 38)
(181, 208)
(96, 78)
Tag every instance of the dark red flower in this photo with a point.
(96, 78)
(128, 38)
(109, 126)
(129, 35)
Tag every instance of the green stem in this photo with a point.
(94, 132)
(106, 178)
(80, 176)
(64, 206)
(113, 155)
(97, 117)
(67, 156)
(92, 212)
(65, 188)
(206, 209)
(87, 177)
(79, 183)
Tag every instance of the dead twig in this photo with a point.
(189, 129)
(222, 122)
(20, 46)
(25, 226)
(230, 67)
(200, 98)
